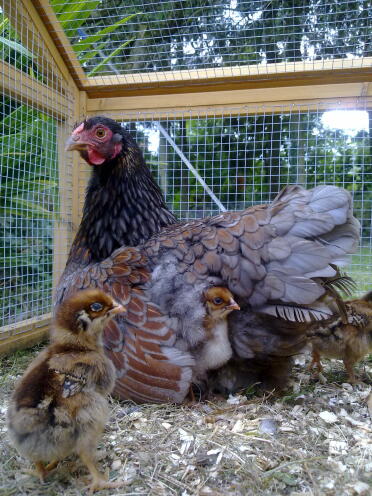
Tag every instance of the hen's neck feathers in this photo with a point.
(123, 206)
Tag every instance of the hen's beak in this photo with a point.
(74, 143)
(233, 305)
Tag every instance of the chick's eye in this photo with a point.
(100, 132)
(96, 307)
(218, 301)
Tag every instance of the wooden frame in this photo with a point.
(332, 96)
(24, 334)
(63, 105)
(27, 90)
(284, 74)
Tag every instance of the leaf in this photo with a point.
(4, 24)
(18, 119)
(33, 186)
(17, 47)
(89, 40)
(27, 209)
(91, 53)
(74, 14)
(107, 59)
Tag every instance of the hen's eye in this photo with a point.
(100, 132)
(96, 307)
(218, 301)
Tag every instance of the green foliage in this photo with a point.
(194, 33)
(28, 207)
(73, 16)
(28, 171)
(248, 159)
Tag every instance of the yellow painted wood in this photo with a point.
(333, 96)
(24, 334)
(57, 42)
(231, 78)
(29, 91)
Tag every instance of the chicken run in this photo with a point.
(186, 247)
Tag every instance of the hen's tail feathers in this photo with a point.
(340, 282)
(299, 313)
(314, 230)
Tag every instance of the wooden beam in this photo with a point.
(332, 96)
(23, 88)
(276, 75)
(60, 40)
(79, 169)
(24, 334)
(27, 28)
(62, 226)
(318, 72)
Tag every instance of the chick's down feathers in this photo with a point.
(348, 341)
(59, 406)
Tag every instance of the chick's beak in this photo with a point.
(233, 305)
(117, 309)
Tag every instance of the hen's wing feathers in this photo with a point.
(140, 344)
(268, 253)
(276, 258)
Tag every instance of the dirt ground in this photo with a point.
(315, 440)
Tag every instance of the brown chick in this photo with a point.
(348, 342)
(59, 406)
(216, 350)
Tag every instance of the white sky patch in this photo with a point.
(153, 137)
(350, 121)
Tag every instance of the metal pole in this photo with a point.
(187, 162)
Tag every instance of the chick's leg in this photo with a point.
(315, 362)
(98, 480)
(42, 471)
(349, 366)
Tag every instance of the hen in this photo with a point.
(349, 341)
(59, 406)
(274, 258)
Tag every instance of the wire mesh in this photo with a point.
(245, 155)
(34, 203)
(205, 160)
(144, 36)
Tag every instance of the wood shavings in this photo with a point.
(222, 447)
(328, 417)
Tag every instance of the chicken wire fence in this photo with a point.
(140, 36)
(205, 160)
(35, 181)
(244, 155)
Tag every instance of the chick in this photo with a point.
(216, 350)
(59, 406)
(348, 342)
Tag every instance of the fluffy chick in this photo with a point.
(216, 349)
(59, 406)
(348, 342)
